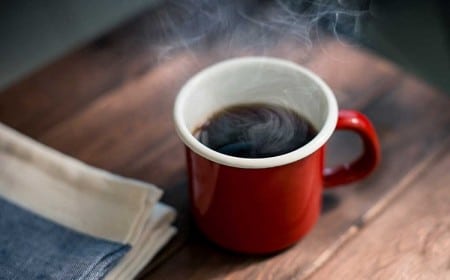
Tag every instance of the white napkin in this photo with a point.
(85, 198)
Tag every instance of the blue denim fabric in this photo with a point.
(32, 247)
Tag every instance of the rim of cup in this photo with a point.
(324, 133)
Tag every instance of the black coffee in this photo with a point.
(255, 131)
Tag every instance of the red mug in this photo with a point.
(263, 205)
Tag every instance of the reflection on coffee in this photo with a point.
(255, 131)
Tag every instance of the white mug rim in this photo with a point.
(316, 143)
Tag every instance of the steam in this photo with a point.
(254, 27)
(256, 24)
(256, 130)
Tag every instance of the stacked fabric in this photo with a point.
(62, 219)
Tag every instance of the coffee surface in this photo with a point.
(255, 131)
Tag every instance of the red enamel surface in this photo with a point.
(269, 209)
(255, 210)
(366, 163)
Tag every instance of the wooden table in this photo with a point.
(110, 102)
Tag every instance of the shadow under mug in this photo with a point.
(263, 205)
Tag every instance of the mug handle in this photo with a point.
(367, 161)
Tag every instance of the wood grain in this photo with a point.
(110, 105)
(79, 78)
(408, 132)
(409, 240)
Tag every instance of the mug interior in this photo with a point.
(255, 80)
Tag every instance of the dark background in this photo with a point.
(412, 33)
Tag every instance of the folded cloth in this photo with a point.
(155, 232)
(33, 247)
(44, 180)
(86, 199)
